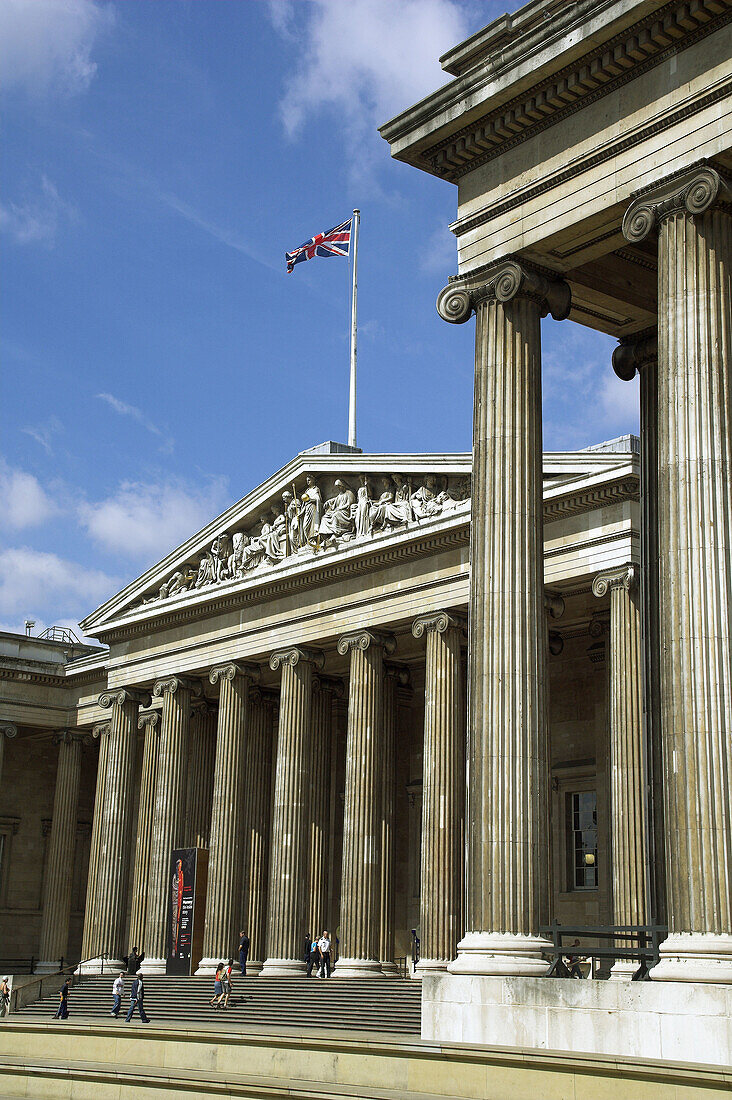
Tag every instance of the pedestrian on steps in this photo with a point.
(226, 981)
(4, 996)
(313, 959)
(137, 997)
(243, 953)
(118, 988)
(215, 1001)
(324, 948)
(62, 1012)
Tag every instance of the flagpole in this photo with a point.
(354, 294)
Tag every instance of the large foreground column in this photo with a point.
(361, 874)
(443, 792)
(324, 689)
(507, 824)
(149, 721)
(89, 943)
(393, 674)
(114, 850)
(691, 214)
(169, 817)
(201, 760)
(289, 852)
(628, 783)
(258, 799)
(60, 861)
(228, 833)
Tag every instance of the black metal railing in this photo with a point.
(19, 966)
(401, 965)
(415, 948)
(635, 942)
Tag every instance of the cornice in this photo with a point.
(609, 66)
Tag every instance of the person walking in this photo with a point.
(243, 953)
(137, 997)
(226, 981)
(324, 949)
(62, 1012)
(4, 996)
(118, 987)
(306, 947)
(313, 957)
(218, 988)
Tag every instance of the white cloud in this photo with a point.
(124, 409)
(146, 521)
(366, 61)
(46, 45)
(36, 219)
(44, 433)
(439, 253)
(23, 501)
(34, 583)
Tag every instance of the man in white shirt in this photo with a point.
(117, 991)
(324, 948)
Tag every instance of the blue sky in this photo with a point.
(157, 362)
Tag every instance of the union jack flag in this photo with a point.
(335, 242)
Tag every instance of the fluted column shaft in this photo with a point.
(149, 721)
(201, 760)
(628, 774)
(169, 816)
(287, 908)
(507, 850)
(361, 873)
(387, 811)
(320, 753)
(114, 851)
(443, 792)
(695, 567)
(90, 938)
(60, 862)
(259, 825)
(228, 833)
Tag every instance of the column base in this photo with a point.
(48, 967)
(694, 957)
(101, 965)
(154, 966)
(358, 968)
(283, 968)
(389, 969)
(623, 970)
(254, 968)
(208, 966)
(500, 953)
(431, 966)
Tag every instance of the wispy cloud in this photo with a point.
(231, 238)
(122, 407)
(438, 255)
(44, 433)
(34, 582)
(46, 45)
(36, 219)
(23, 500)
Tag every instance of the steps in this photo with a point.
(379, 1005)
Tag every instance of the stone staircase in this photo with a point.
(379, 1005)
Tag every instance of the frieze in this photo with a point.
(302, 525)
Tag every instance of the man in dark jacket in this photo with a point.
(137, 997)
(243, 952)
(62, 1012)
(134, 960)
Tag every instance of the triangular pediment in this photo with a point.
(327, 501)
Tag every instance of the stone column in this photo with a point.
(114, 850)
(259, 808)
(691, 214)
(640, 353)
(60, 862)
(443, 792)
(149, 721)
(201, 759)
(287, 908)
(324, 688)
(169, 816)
(507, 821)
(361, 873)
(628, 782)
(227, 852)
(393, 675)
(90, 938)
(7, 729)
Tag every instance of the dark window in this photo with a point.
(582, 840)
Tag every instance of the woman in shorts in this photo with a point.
(218, 991)
(226, 981)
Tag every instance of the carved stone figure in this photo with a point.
(293, 512)
(424, 500)
(338, 521)
(363, 510)
(181, 581)
(312, 510)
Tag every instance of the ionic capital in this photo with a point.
(203, 707)
(556, 643)
(101, 729)
(148, 719)
(502, 282)
(8, 729)
(123, 695)
(623, 576)
(259, 696)
(365, 639)
(329, 684)
(294, 656)
(554, 604)
(439, 621)
(689, 192)
(67, 737)
(170, 684)
(231, 671)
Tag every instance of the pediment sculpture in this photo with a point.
(305, 524)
